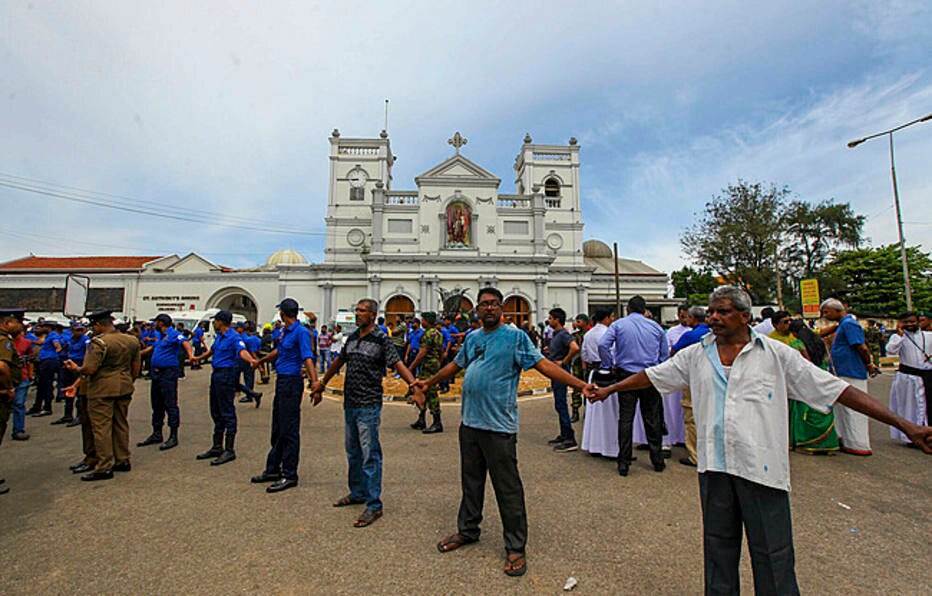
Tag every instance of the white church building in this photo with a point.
(406, 248)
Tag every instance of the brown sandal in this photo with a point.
(453, 542)
(368, 516)
(516, 567)
(348, 500)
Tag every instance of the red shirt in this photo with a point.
(23, 347)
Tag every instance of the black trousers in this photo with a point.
(45, 383)
(482, 452)
(249, 377)
(65, 379)
(651, 414)
(286, 426)
(222, 410)
(164, 397)
(730, 502)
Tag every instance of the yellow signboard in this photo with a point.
(809, 289)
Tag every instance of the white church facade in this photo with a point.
(454, 231)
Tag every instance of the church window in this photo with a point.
(552, 187)
(515, 228)
(357, 194)
(400, 226)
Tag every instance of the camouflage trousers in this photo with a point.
(433, 396)
(579, 373)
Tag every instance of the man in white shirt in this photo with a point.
(740, 382)
(600, 425)
(912, 385)
(765, 327)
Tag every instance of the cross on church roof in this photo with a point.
(457, 141)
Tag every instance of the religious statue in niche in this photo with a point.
(459, 219)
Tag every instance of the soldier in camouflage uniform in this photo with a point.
(430, 359)
(875, 340)
(576, 367)
(11, 374)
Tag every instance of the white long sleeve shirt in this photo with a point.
(914, 349)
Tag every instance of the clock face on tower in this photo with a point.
(357, 178)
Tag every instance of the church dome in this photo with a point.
(597, 249)
(285, 257)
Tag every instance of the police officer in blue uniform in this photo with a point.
(73, 349)
(48, 372)
(197, 342)
(227, 351)
(293, 353)
(165, 372)
(253, 344)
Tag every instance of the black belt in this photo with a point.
(915, 372)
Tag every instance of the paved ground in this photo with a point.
(176, 525)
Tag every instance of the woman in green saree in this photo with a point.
(811, 431)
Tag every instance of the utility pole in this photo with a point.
(618, 312)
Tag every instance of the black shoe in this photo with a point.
(575, 416)
(32, 411)
(420, 423)
(81, 468)
(265, 477)
(20, 436)
(281, 484)
(171, 442)
(660, 467)
(687, 462)
(211, 453)
(105, 475)
(123, 466)
(566, 447)
(258, 397)
(436, 425)
(4, 490)
(641, 447)
(153, 439)
(558, 440)
(622, 469)
(75, 422)
(42, 413)
(62, 420)
(225, 457)
(666, 452)
(245, 400)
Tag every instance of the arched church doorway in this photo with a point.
(237, 301)
(398, 307)
(517, 309)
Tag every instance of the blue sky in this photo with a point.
(218, 108)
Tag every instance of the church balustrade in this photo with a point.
(359, 150)
(552, 203)
(401, 197)
(552, 156)
(516, 201)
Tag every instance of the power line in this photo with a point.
(130, 201)
(98, 203)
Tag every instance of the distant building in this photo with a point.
(455, 231)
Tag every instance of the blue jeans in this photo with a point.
(364, 454)
(19, 406)
(324, 360)
(563, 412)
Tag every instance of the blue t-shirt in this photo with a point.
(846, 359)
(414, 338)
(493, 362)
(77, 347)
(293, 349)
(227, 347)
(198, 336)
(253, 343)
(165, 349)
(691, 337)
(47, 351)
(149, 336)
(64, 339)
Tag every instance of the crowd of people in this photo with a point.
(736, 397)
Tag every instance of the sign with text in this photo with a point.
(809, 290)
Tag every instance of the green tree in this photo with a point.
(695, 286)
(811, 233)
(870, 281)
(737, 236)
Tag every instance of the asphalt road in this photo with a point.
(176, 525)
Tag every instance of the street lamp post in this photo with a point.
(896, 199)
